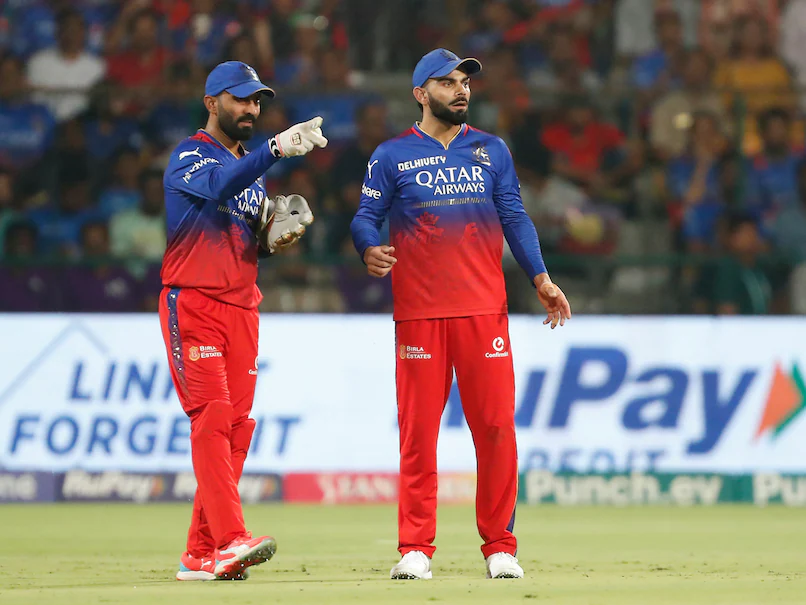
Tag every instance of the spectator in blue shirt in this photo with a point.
(123, 189)
(34, 23)
(695, 185)
(178, 114)
(26, 128)
(107, 127)
(772, 176)
(659, 70)
(59, 226)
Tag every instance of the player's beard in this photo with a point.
(446, 114)
(241, 129)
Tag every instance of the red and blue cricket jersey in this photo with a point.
(449, 209)
(211, 201)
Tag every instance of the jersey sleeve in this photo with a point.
(518, 228)
(195, 171)
(377, 192)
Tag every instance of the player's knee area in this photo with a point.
(215, 414)
(242, 431)
(497, 432)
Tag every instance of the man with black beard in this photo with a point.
(217, 211)
(452, 195)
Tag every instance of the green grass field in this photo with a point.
(78, 554)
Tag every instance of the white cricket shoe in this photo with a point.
(503, 565)
(415, 565)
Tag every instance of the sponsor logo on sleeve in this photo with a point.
(370, 192)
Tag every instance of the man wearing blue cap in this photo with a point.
(452, 195)
(218, 214)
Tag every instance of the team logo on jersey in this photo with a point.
(481, 156)
(251, 73)
(186, 154)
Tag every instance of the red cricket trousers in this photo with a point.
(478, 349)
(212, 351)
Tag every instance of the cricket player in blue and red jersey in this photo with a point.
(452, 195)
(217, 211)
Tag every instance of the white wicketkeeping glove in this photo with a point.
(282, 221)
(298, 140)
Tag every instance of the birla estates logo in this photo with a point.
(785, 401)
(203, 352)
(409, 352)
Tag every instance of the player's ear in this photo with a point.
(421, 95)
(211, 104)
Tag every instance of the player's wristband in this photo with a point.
(275, 148)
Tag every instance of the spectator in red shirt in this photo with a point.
(587, 151)
(139, 68)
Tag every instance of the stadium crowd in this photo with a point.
(659, 143)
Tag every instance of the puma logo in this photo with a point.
(185, 154)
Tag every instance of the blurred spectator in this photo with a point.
(70, 153)
(500, 94)
(587, 151)
(26, 128)
(718, 16)
(199, 30)
(24, 286)
(334, 71)
(672, 116)
(793, 41)
(789, 235)
(139, 68)
(772, 176)
(107, 128)
(564, 66)
(635, 33)
(140, 232)
(122, 191)
(693, 182)
(59, 226)
(299, 68)
(180, 113)
(743, 283)
(753, 78)
(547, 198)
(244, 48)
(99, 286)
(62, 76)
(34, 23)
(10, 204)
(789, 230)
(253, 17)
(348, 171)
(659, 70)
(283, 30)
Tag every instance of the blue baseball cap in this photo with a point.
(439, 63)
(236, 78)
